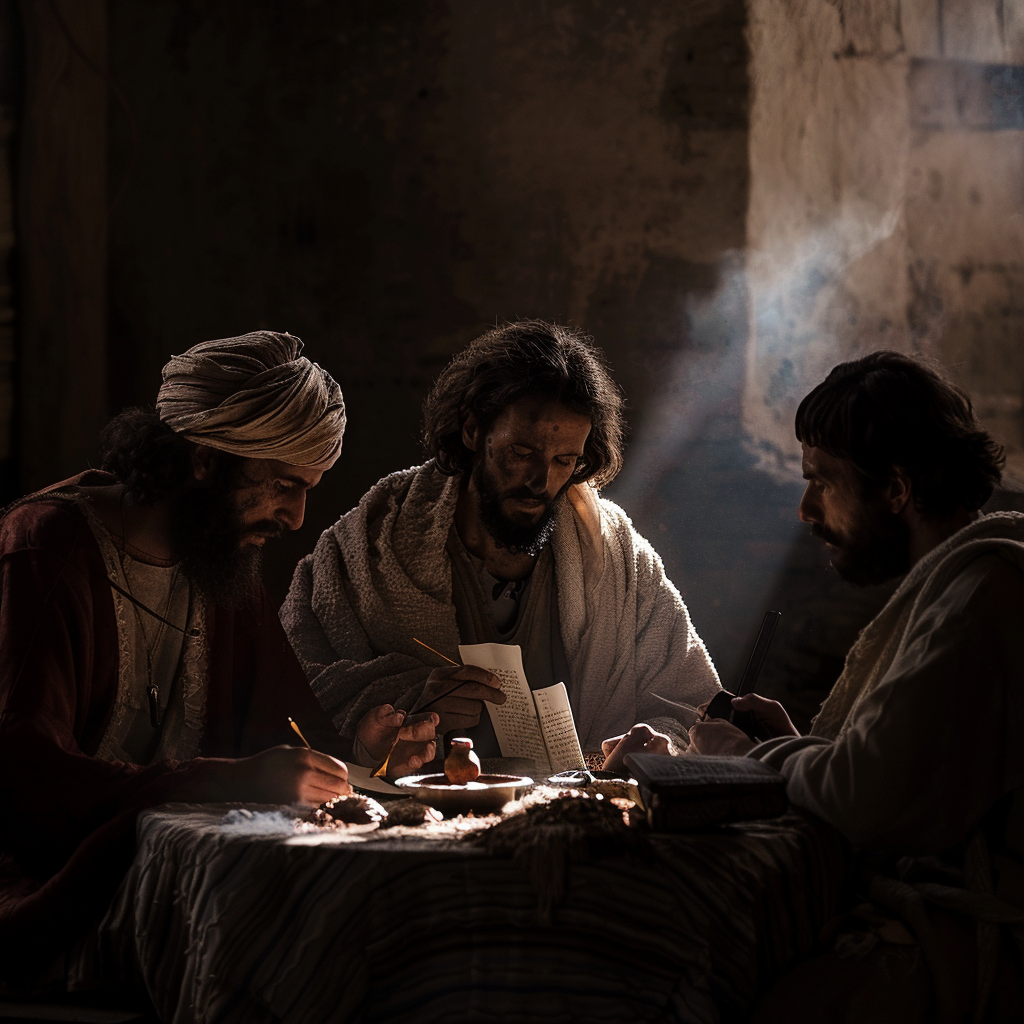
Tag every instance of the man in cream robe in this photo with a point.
(921, 735)
(553, 567)
(916, 755)
(382, 575)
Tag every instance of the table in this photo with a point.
(247, 916)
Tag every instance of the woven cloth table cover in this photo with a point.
(222, 924)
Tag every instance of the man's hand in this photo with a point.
(416, 734)
(770, 715)
(290, 775)
(717, 736)
(640, 738)
(461, 706)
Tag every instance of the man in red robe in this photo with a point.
(141, 660)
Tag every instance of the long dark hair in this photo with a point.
(887, 410)
(526, 359)
(151, 459)
(155, 463)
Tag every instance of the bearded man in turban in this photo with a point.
(141, 660)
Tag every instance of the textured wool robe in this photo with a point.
(917, 752)
(921, 734)
(381, 576)
(67, 817)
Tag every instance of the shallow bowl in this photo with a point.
(487, 795)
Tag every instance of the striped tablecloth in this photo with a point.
(231, 916)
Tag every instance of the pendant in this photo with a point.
(154, 705)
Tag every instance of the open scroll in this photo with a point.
(531, 723)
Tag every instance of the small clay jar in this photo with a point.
(461, 765)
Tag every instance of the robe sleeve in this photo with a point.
(348, 683)
(671, 659)
(67, 818)
(253, 665)
(937, 742)
(52, 793)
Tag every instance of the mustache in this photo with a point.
(824, 533)
(270, 527)
(525, 494)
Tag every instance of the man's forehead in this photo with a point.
(819, 463)
(540, 410)
(294, 474)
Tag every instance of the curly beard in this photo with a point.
(517, 538)
(207, 537)
(874, 552)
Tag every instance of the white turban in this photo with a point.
(255, 396)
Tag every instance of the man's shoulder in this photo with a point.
(993, 578)
(981, 588)
(405, 481)
(612, 513)
(991, 548)
(615, 521)
(603, 526)
(1004, 525)
(398, 530)
(413, 491)
(50, 520)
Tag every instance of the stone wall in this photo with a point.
(731, 196)
(886, 211)
(886, 149)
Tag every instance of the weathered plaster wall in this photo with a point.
(886, 149)
(387, 180)
(886, 210)
(965, 214)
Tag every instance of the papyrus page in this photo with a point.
(515, 721)
(558, 728)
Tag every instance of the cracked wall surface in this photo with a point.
(886, 209)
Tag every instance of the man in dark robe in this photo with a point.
(141, 660)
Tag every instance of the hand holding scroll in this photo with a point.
(460, 706)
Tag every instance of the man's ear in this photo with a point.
(899, 492)
(471, 432)
(204, 459)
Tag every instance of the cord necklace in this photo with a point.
(152, 689)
